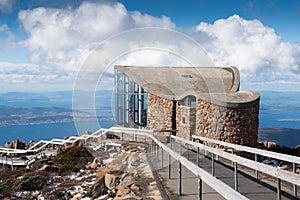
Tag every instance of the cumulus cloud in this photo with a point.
(63, 38)
(251, 46)
(60, 40)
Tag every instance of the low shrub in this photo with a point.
(72, 159)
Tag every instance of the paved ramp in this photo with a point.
(247, 184)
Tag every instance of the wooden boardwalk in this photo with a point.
(247, 184)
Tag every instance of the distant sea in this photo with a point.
(279, 118)
(37, 132)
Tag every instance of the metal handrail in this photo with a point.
(219, 186)
(56, 141)
(270, 154)
(275, 172)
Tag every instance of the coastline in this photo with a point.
(45, 131)
(54, 122)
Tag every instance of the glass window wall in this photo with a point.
(130, 102)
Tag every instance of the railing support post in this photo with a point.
(175, 145)
(12, 164)
(152, 145)
(187, 152)
(232, 163)
(101, 140)
(295, 186)
(212, 164)
(180, 148)
(169, 166)
(122, 137)
(156, 152)
(236, 183)
(179, 178)
(256, 171)
(279, 189)
(162, 158)
(198, 159)
(199, 188)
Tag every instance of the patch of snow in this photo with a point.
(107, 160)
(271, 162)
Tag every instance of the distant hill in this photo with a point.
(61, 99)
(10, 115)
(49, 107)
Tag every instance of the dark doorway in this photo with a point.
(174, 117)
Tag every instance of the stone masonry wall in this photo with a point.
(234, 125)
(186, 121)
(159, 116)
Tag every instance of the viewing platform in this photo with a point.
(188, 169)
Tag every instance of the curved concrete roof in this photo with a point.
(218, 85)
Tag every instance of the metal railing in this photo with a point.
(294, 160)
(203, 176)
(278, 173)
(31, 154)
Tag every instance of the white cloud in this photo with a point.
(60, 40)
(63, 38)
(249, 45)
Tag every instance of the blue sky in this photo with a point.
(43, 44)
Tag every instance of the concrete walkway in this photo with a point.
(247, 185)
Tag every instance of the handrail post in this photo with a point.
(212, 164)
(162, 158)
(278, 189)
(187, 152)
(198, 159)
(122, 137)
(232, 163)
(12, 164)
(156, 152)
(256, 171)
(179, 178)
(295, 186)
(171, 143)
(134, 136)
(236, 183)
(175, 145)
(180, 148)
(152, 142)
(101, 139)
(199, 188)
(169, 166)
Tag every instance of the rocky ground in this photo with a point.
(76, 173)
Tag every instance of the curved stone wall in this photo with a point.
(237, 125)
(233, 125)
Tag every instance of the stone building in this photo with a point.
(204, 101)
